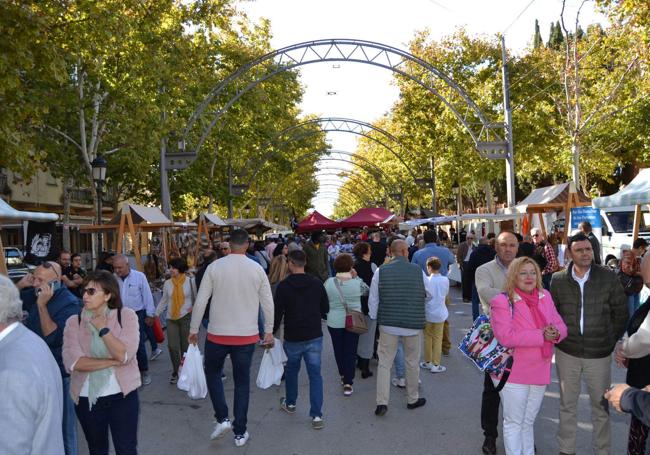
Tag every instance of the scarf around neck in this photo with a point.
(97, 380)
(178, 295)
(532, 301)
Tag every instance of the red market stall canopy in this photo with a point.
(367, 216)
(317, 222)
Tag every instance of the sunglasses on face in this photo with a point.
(91, 291)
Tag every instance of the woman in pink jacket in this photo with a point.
(525, 318)
(99, 351)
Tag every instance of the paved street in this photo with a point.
(171, 423)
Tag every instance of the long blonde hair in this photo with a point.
(513, 272)
(279, 269)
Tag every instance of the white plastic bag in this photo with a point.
(191, 377)
(272, 366)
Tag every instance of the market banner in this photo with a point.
(40, 246)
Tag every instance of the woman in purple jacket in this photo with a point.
(525, 318)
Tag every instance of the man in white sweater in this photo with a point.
(31, 407)
(238, 287)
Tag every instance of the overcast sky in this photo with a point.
(364, 92)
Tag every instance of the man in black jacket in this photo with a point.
(482, 254)
(302, 301)
(592, 304)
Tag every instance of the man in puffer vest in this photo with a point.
(397, 300)
(593, 305)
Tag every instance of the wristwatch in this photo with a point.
(104, 331)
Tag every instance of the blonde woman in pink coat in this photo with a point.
(524, 318)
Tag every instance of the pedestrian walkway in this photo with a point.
(171, 423)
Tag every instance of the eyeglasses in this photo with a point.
(224, 248)
(535, 235)
(91, 291)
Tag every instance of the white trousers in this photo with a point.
(521, 403)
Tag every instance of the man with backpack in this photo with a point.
(490, 280)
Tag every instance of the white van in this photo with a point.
(618, 223)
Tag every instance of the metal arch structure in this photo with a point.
(337, 125)
(353, 198)
(367, 166)
(333, 186)
(355, 178)
(485, 134)
(348, 50)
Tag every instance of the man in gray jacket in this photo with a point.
(593, 305)
(490, 280)
(31, 408)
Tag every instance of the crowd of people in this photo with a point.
(79, 339)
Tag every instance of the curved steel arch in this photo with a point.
(347, 50)
(355, 177)
(332, 124)
(333, 186)
(368, 166)
(350, 197)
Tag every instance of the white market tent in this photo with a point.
(636, 193)
(8, 213)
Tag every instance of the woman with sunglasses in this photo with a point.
(524, 318)
(99, 351)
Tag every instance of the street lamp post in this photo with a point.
(457, 192)
(99, 166)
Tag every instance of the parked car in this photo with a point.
(618, 223)
(16, 267)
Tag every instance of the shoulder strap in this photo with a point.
(340, 291)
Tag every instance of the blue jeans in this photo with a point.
(400, 367)
(151, 337)
(69, 420)
(345, 352)
(476, 303)
(310, 350)
(241, 358)
(143, 360)
(117, 412)
(633, 302)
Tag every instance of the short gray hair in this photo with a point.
(11, 307)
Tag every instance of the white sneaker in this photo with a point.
(438, 369)
(145, 378)
(399, 382)
(426, 365)
(221, 428)
(241, 439)
(155, 354)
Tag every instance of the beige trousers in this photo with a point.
(433, 342)
(597, 374)
(386, 353)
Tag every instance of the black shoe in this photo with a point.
(364, 366)
(381, 410)
(490, 445)
(417, 404)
